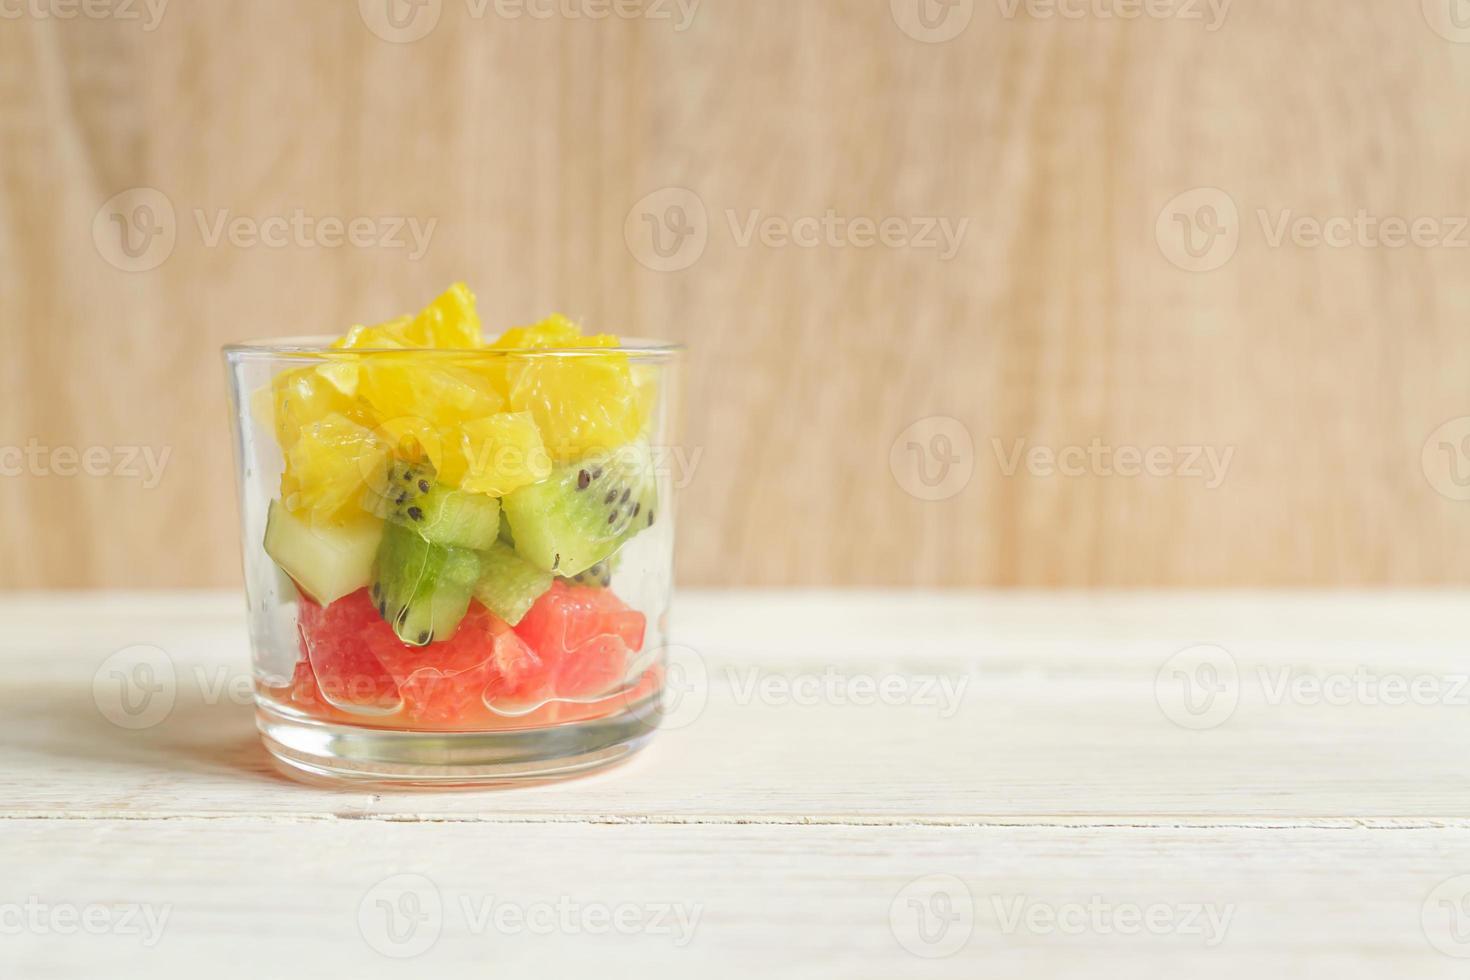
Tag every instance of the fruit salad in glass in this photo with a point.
(458, 550)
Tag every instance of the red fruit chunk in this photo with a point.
(352, 661)
(451, 680)
(575, 642)
(347, 674)
(583, 635)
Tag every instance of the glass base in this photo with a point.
(324, 752)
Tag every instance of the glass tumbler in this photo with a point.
(440, 593)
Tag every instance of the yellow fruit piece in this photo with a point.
(383, 335)
(303, 396)
(488, 423)
(500, 453)
(555, 331)
(581, 402)
(448, 323)
(423, 401)
(327, 467)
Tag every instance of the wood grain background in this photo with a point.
(1059, 320)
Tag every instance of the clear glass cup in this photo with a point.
(365, 670)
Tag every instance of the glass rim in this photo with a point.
(319, 347)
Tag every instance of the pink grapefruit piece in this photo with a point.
(347, 674)
(584, 636)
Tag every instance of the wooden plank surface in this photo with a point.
(1065, 814)
(531, 144)
(1001, 708)
(244, 898)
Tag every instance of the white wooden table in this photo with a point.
(871, 785)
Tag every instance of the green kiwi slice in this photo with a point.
(509, 585)
(584, 511)
(422, 589)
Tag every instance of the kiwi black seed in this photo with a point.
(598, 574)
(425, 588)
(583, 512)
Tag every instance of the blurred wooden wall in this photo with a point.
(1063, 317)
